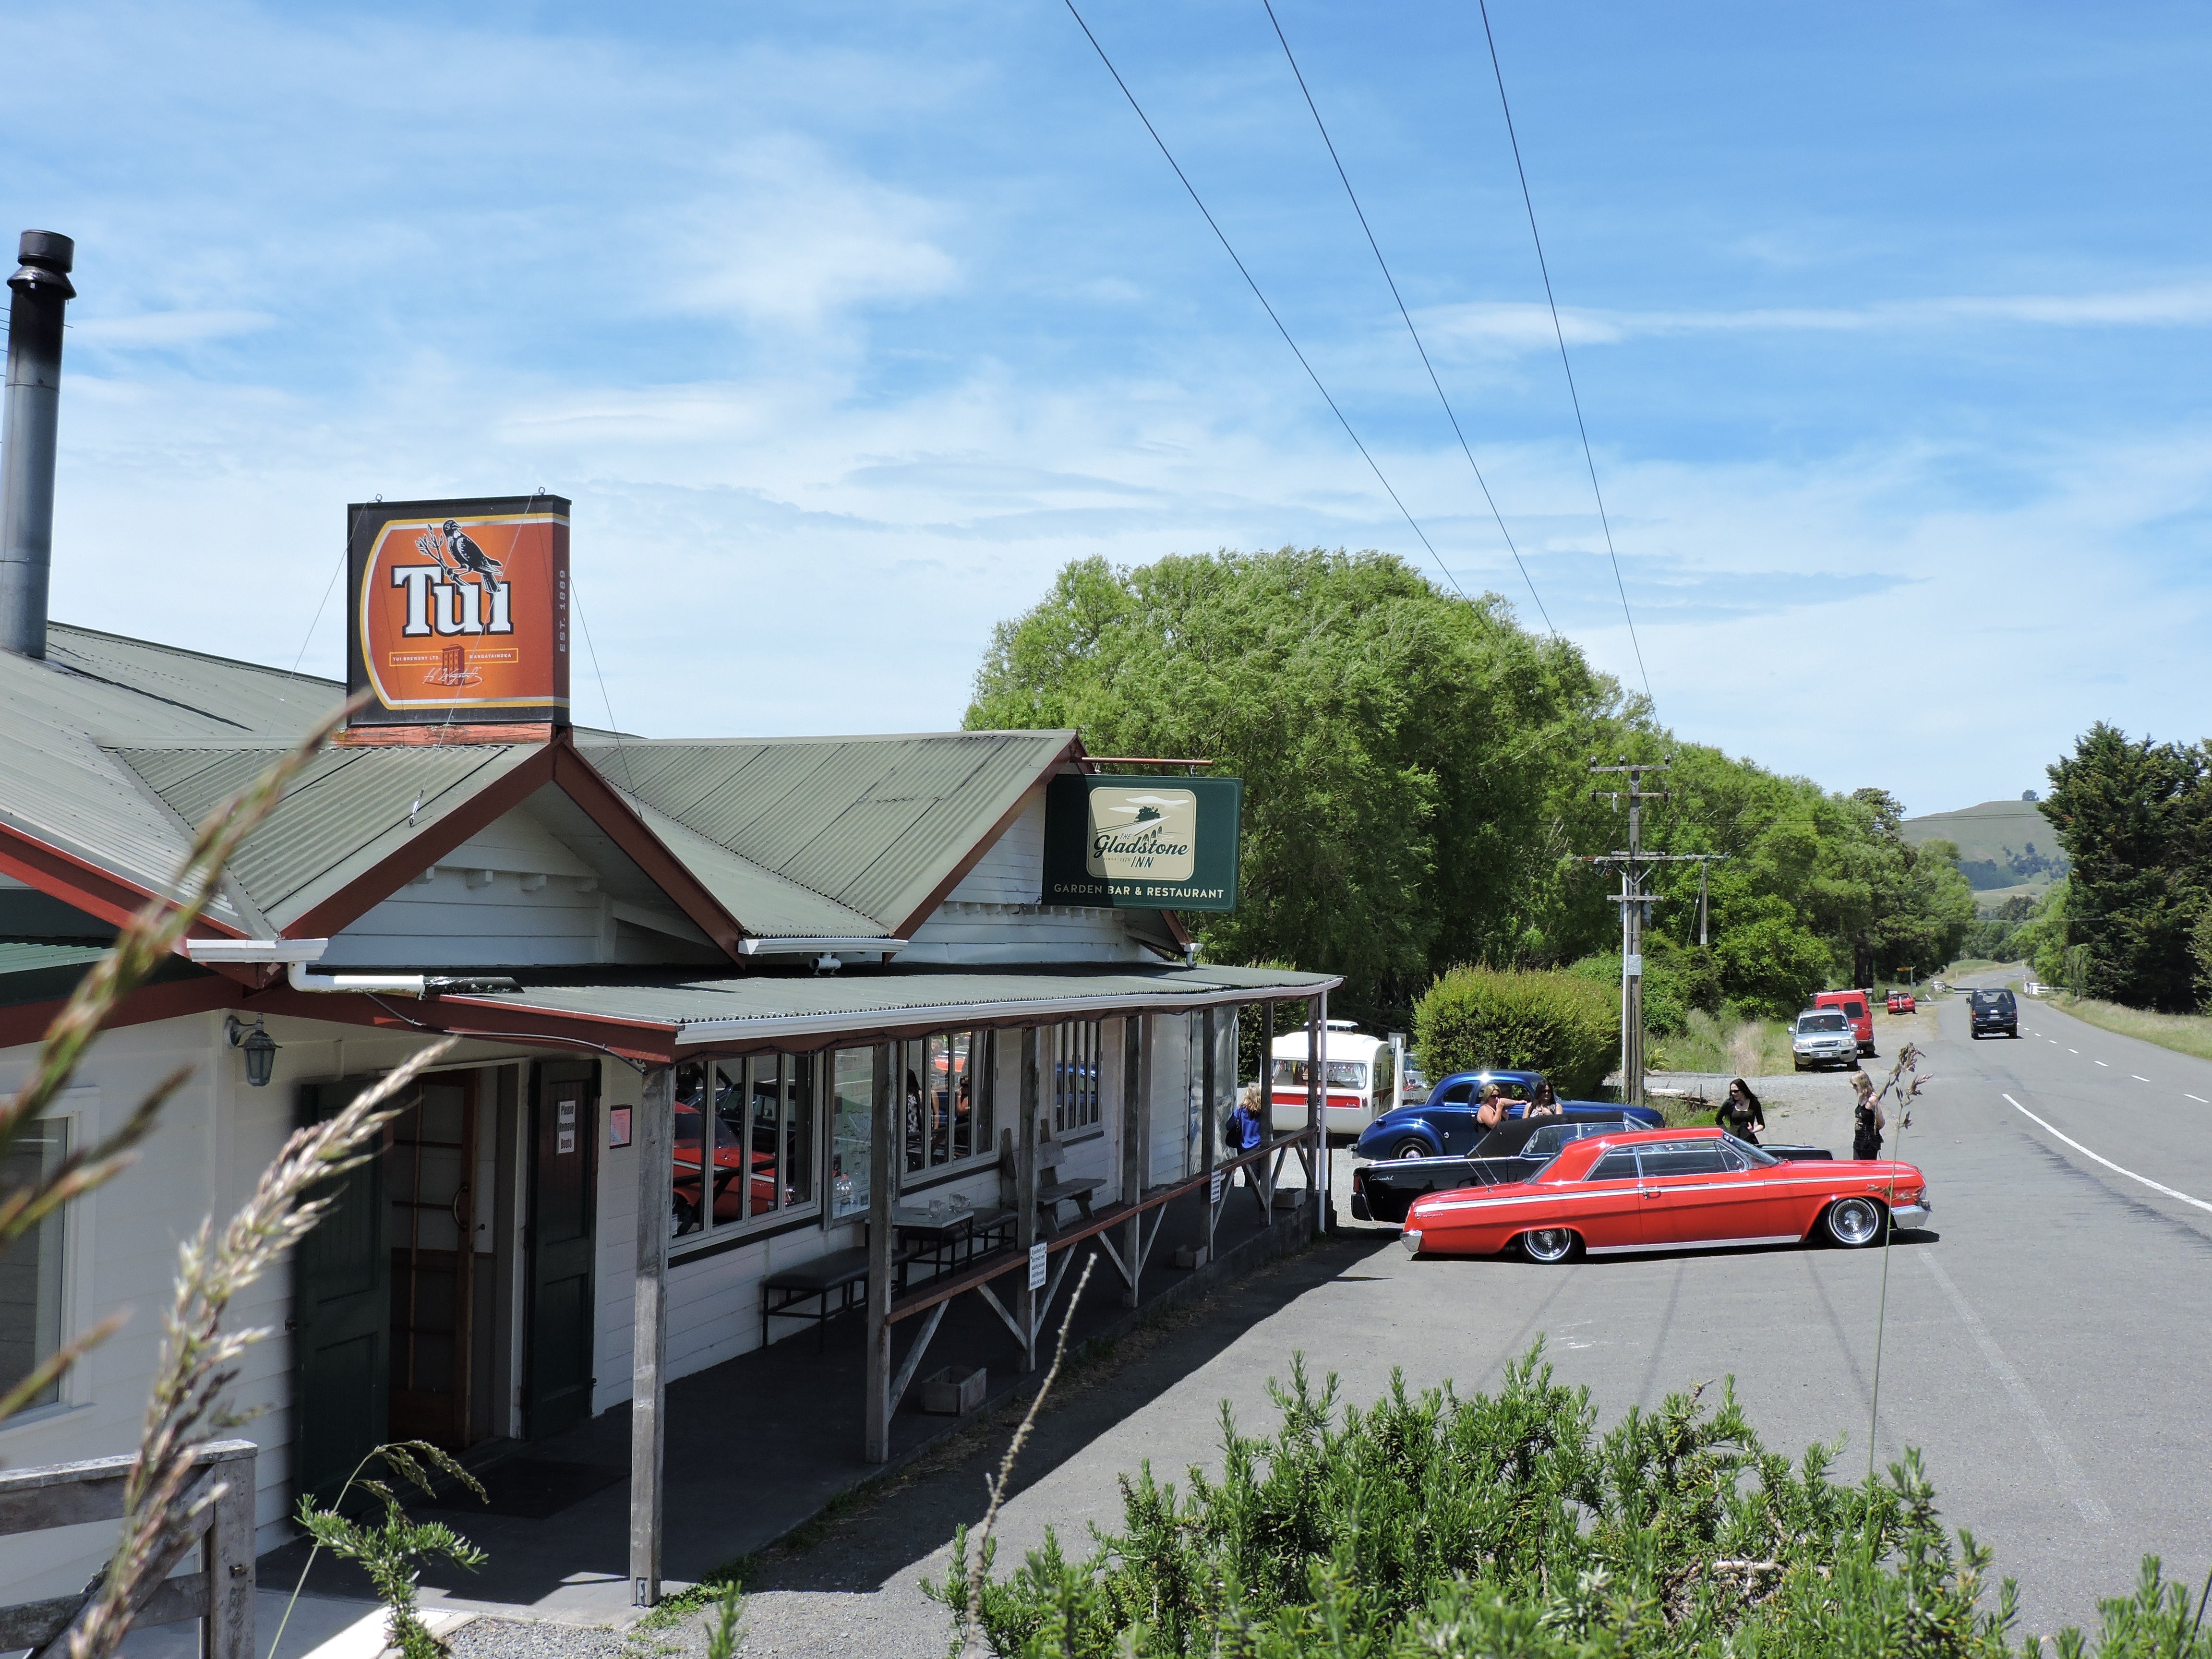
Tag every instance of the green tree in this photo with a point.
(1402, 750)
(2132, 817)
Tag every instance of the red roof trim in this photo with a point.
(584, 784)
(88, 887)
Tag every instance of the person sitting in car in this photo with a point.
(1739, 1114)
(1545, 1103)
(1493, 1109)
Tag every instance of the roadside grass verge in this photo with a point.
(2185, 1034)
(1723, 1045)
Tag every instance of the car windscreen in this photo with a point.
(2002, 999)
(1820, 1023)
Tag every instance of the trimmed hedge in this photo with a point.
(1562, 1025)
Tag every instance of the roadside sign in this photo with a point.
(1036, 1265)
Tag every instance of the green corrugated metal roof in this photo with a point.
(348, 809)
(768, 905)
(710, 1010)
(875, 823)
(34, 971)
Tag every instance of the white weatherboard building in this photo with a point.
(805, 973)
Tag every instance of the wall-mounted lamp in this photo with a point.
(260, 1049)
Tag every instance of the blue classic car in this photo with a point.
(1444, 1125)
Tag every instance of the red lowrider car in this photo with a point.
(1902, 1002)
(1668, 1189)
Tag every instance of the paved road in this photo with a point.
(2047, 1344)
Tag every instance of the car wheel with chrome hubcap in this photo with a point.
(1855, 1222)
(1547, 1244)
(1410, 1149)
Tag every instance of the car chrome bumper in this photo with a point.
(1909, 1216)
(1411, 1240)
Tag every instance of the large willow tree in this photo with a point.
(1404, 751)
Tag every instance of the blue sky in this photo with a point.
(845, 326)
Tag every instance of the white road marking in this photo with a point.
(2097, 1062)
(2199, 1099)
(2138, 1076)
(2155, 1186)
(2071, 1481)
(2073, 1051)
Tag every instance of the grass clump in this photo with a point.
(1435, 1525)
(1726, 1044)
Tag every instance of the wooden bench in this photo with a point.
(839, 1273)
(1051, 1193)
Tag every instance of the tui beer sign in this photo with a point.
(460, 611)
(1142, 842)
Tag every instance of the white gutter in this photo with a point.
(294, 954)
(812, 947)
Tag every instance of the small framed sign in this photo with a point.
(1036, 1265)
(618, 1126)
(568, 1141)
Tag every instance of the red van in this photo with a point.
(1858, 1008)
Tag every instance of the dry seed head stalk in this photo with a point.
(198, 1359)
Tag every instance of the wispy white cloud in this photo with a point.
(1495, 327)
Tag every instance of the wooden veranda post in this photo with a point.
(654, 1135)
(1209, 1128)
(886, 1132)
(1025, 1191)
(1132, 1143)
(1317, 1138)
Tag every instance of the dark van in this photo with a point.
(1989, 1012)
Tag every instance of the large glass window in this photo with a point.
(744, 1143)
(945, 1083)
(31, 1268)
(1071, 1056)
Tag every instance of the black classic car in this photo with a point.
(1512, 1151)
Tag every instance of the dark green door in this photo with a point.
(342, 1318)
(563, 1213)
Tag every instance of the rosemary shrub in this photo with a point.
(1437, 1525)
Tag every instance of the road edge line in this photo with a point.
(2071, 1481)
(2155, 1187)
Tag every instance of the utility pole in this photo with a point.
(1635, 908)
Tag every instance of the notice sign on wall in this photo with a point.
(1139, 842)
(460, 611)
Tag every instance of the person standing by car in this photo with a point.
(1739, 1114)
(1544, 1104)
(1867, 1120)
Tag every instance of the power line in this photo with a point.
(1449, 413)
(1199, 203)
(1559, 334)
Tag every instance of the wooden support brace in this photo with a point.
(914, 1354)
(883, 1139)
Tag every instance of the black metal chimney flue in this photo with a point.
(39, 290)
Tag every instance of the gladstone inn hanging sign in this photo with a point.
(1142, 842)
(460, 611)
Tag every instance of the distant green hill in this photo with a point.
(2004, 844)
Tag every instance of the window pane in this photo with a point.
(798, 1130)
(687, 1209)
(1684, 1158)
(1619, 1165)
(31, 1268)
(852, 1082)
(908, 1059)
(764, 1132)
(944, 1079)
(982, 1084)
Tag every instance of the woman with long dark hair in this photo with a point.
(1739, 1114)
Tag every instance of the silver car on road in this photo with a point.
(1823, 1036)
